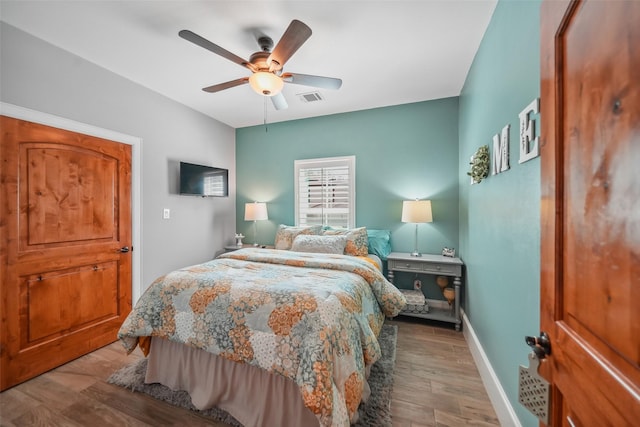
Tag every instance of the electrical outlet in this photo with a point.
(166, 213)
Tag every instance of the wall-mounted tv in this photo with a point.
(204, 181)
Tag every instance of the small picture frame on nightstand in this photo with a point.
(450, 252)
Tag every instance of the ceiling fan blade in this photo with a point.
(204, 43)
(226, 85)
(315, 81)
(279, 102)
(295, 35)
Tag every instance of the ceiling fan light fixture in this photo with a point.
(266, 83)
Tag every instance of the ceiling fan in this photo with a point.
(266, 65)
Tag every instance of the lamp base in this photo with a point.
(415, 251)
(255, 234)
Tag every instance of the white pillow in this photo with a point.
(319, 244)
(286, 234)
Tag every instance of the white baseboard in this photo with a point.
(502, 406)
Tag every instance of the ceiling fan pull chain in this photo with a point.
(266, 129)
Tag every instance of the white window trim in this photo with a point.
(350, 161)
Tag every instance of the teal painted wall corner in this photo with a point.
(500, 217)
(402, 152)
(422, 150)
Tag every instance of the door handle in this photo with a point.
(541, 345)
(124, 249)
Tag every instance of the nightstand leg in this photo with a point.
(390, 276)
(457, 283)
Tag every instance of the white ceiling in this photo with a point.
(386, 52)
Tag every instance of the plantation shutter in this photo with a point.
(325, 192)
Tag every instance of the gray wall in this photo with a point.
(36, 75)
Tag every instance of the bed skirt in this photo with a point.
(251, 395)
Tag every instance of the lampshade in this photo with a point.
(255, 211)
(266, 83)
(416, 211)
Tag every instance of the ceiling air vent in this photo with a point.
(310, 97)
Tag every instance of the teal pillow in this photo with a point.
(379, 242)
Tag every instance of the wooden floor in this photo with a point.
(436, 384)
(436, 381)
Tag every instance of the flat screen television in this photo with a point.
(204, 181)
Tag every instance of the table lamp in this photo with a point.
(418, 212)
(255, 212)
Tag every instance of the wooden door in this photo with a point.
(66, 214)
(590, 174)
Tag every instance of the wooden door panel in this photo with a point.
(601, 193)
(67, 194)
(59, 302)
(589, 385)
(590, 235)
(66, 212)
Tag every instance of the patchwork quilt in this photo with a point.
(313, 318)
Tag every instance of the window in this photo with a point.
(325, 191)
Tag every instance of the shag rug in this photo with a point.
(376, 412)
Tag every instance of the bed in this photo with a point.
(274, 337)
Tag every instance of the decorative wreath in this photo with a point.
(480, 164)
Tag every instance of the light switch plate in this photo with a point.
(166, 214)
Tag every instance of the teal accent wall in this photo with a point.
(402, 152)
(422, 150)
(500, 217)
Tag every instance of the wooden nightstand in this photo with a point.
(437, 265)
(231, 248)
